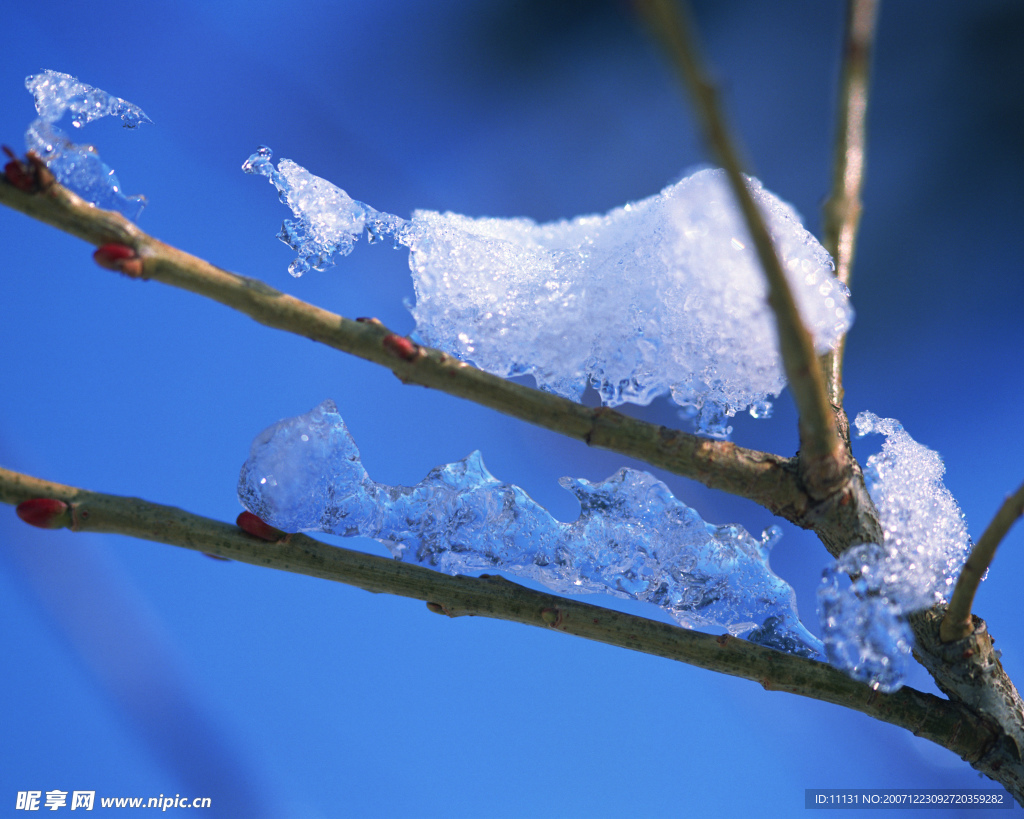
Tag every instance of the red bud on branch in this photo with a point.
(252, 525)
(19, 174)
(405, 348)
(123, 259)
(46, 513)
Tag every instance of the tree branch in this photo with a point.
(843, 207)
(824, 463)
(956, 624)
(767, 479)
(946, 723)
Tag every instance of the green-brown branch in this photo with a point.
(957, 624)
(941, 721)
(843, 207)
(824, 462)
(762, 477)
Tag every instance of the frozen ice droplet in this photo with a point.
(770, 536)
(632, 538)
(327, 221)
(259, 163)
(79, 167)
(56, 94)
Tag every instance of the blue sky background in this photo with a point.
(138, 669)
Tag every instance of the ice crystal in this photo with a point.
(79, 167)
(632, 538)
(924, 546)
(327, 220)
(661, 296)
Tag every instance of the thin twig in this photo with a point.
(823, 461)
(941, 721)
(957, 624)
(762, 477)
(843, 207)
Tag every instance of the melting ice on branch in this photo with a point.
(79, 167)
(925, 545)
(632, 538)
(662, 296)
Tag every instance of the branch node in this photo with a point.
(80, 516)
(552, 616)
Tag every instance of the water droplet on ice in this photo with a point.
(770, 536)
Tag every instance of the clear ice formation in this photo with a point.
(662, 296)
(79, 167)
(327, 220)
(632, 538)
(925, 544)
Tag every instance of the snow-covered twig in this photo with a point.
(765, 478)
(946, 723)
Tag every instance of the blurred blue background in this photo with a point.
(138, 669)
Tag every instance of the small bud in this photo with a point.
(405, 348)
(19, 177)
(18, 173)
(368, 320)
(123, 259)
(551, 616)
(46, 513)
(216, 557)
(252, 525)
